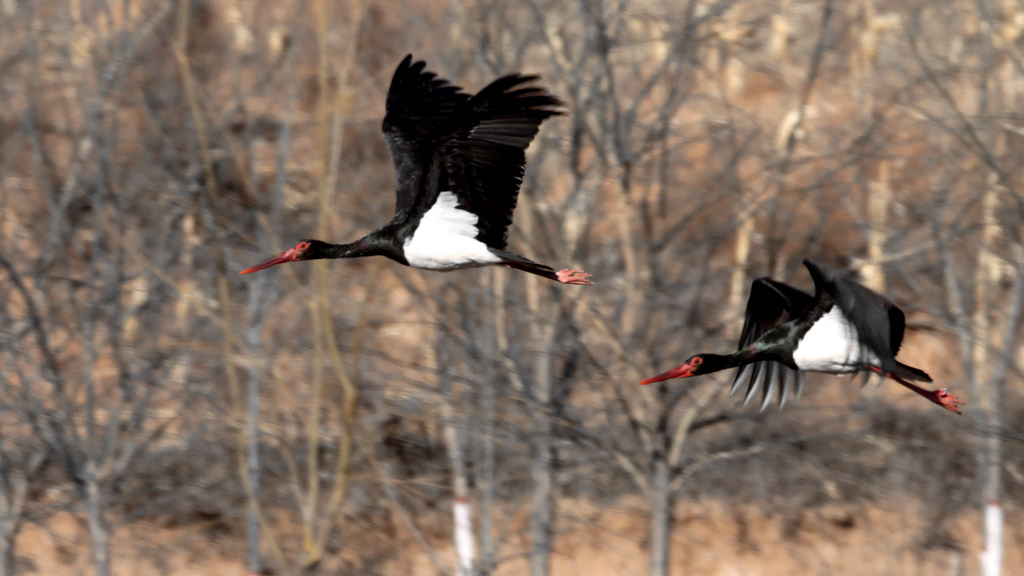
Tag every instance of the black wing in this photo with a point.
(770, 304)
(878, 322)
(483, 150)
(418, 104)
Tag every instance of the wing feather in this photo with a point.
(770, 304)
(418, 104)
(484, 150)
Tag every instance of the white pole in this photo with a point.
(992, 553)
(465, 548)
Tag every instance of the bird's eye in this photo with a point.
(696, 361)
(302, 245)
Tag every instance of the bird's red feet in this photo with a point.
(947, 400)
(573, 277)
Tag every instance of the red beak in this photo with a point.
(680, 372)
(289, 255)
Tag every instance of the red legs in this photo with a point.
(563, 276)
(573, 277)
(945, 399)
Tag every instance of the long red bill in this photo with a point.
(680, 372)
(288, 255)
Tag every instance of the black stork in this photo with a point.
(459, 161)
(843, 328)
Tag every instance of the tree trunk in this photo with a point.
(12, 506)
(252, 521)
(257, 300)
(542, 331)
(873, 272)
(7, 551)
(661, 518)
(10, 522)
(738, 281)
(462, 508)
(486, 487)
(987, 389)
(541, 474)
(99, 528)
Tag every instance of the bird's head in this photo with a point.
(304, 250)
(697, 364)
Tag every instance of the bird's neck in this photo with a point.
(746, 355)
(356, 249)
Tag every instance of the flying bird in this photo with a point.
(843, 328)
(459, 162)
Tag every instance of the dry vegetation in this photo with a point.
(160, 414)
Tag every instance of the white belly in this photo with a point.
(446, 239)
(832, 345)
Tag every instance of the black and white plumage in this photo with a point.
(459, 162)
(843, 328)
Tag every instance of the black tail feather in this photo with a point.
(911, 373)
(520, 263)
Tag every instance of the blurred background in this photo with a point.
(160, 414)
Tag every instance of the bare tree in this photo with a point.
(89, 300)
(149, 148)
(90, 371)
(985, 337)
(22, 454)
